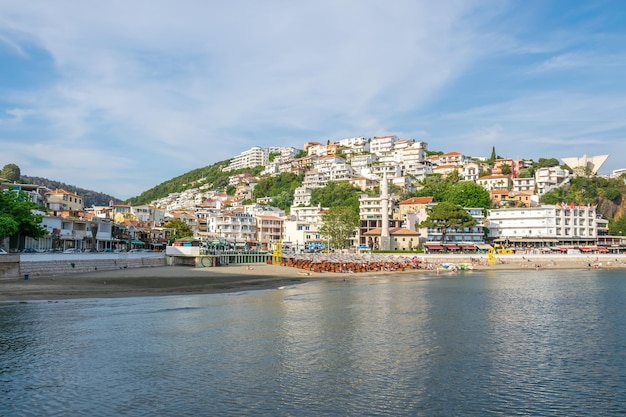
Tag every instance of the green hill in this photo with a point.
(90, 197)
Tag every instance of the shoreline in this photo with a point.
(185, 280)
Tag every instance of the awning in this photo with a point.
(588, 248)
(452, 247)
(134, 242)
(603, 250)
(468, 247)
(483, 246)
(433, 247)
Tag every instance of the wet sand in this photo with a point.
(177, 280)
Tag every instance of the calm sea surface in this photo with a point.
(527, 343)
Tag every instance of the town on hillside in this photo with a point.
(383, 168)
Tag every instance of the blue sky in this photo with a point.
(119, 96)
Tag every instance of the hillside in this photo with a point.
(607, 193)
(90, 197)
(211, 176)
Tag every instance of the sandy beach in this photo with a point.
(177, 280)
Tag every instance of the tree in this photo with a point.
(17, 216)
(446, 216)
(283, 200)
(617, 227)
(272, 156)
(181, 229)
(468, 194)
(546, 163)
(493, 156)
(505, 169)
(300, 154)
(340, 223)
(11, 172)
(337, 194)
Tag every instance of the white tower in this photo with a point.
(385, 240)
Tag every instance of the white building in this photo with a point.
(357, 142)
(545, 225)
(251, 158)
(495, 182)
(333, 168)
(412, 159)
(236, 228)
(526, 185)
(362, 163)
(467, 238)
(549, 178)
(302, 227)
(382, 145)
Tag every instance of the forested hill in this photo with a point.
(90, 198)
(607, 193)
(211, 176)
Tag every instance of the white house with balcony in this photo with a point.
(238, 229)
(495, 182)
(383, 144)
(333, 168)
(549, 178)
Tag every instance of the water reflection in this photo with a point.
(539, 343)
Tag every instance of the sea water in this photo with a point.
(538, 343)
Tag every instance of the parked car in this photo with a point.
(29, 250)
(2, 252)
(71, 250)
(91, 250)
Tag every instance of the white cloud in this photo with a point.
(143, 91)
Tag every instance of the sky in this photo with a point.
(119, 96)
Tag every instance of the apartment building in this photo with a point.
(251, 158)
(546, 225)
(383, 144)
(549, 178)
(302, 227)
(333, 168)
(455, 240)
(238, 229)
(471, 171)
(354, 146)
(362, 163)
(450, 158)
(269, 230)
(526, 185)
(412, 159)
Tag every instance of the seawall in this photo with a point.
(33, 266)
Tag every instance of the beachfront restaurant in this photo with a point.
(459, 247)
(526, 244)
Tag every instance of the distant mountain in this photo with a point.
(90, 197)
